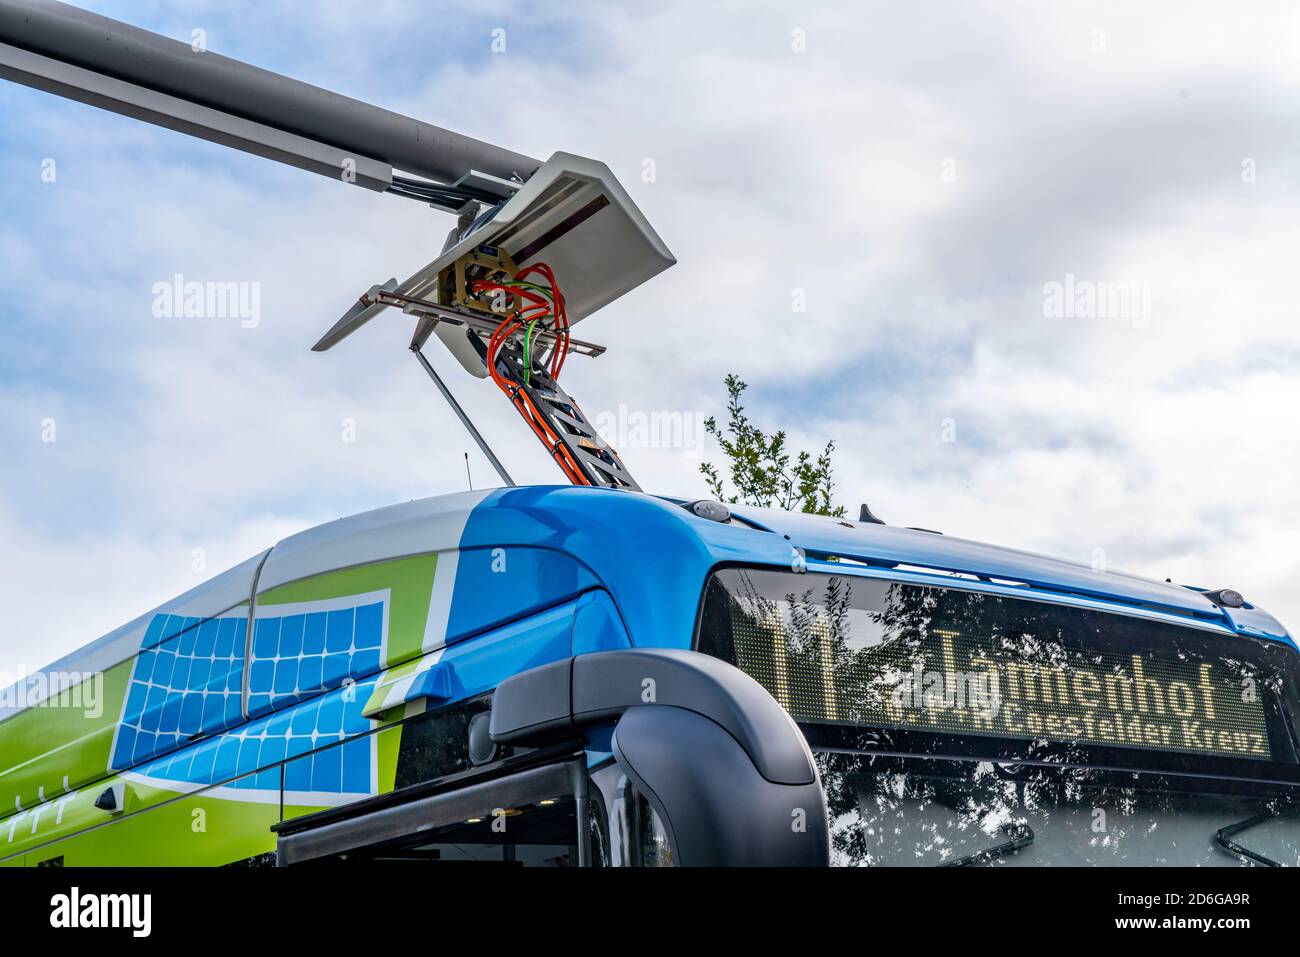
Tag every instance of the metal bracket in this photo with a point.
(381, 296)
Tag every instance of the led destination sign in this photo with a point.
(892, 656)
(1105, 699)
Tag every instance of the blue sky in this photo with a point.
(920, 175)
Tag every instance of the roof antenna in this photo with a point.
(469, 478)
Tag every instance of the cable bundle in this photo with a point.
(541, 309)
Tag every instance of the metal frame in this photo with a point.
(310, 841)
(106, 54)
(161, 109)
(578, 441)
(464, 419)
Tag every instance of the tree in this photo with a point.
(761, 471)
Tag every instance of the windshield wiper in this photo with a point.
(1223, 837)
(1021, 836)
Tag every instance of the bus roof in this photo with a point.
(651, 550)
(886, 545)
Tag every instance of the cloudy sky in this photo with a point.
(878, 210)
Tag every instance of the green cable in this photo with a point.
(530, 332)
(525, 284)
(528, 350)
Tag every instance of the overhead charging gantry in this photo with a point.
(537, 246)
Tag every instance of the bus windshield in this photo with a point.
(959, 727)
(889, 810)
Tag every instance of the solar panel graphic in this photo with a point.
(188, 679)
(184, 687)
(305, 648)
(346, 768)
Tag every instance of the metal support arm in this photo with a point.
(464, 419)
(104, 50)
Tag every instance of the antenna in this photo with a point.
(468, 478)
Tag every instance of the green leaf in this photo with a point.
(759, 466)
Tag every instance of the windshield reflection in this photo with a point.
(899, 812)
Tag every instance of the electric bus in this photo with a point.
(576, 676)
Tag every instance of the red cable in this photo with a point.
(539, 310)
